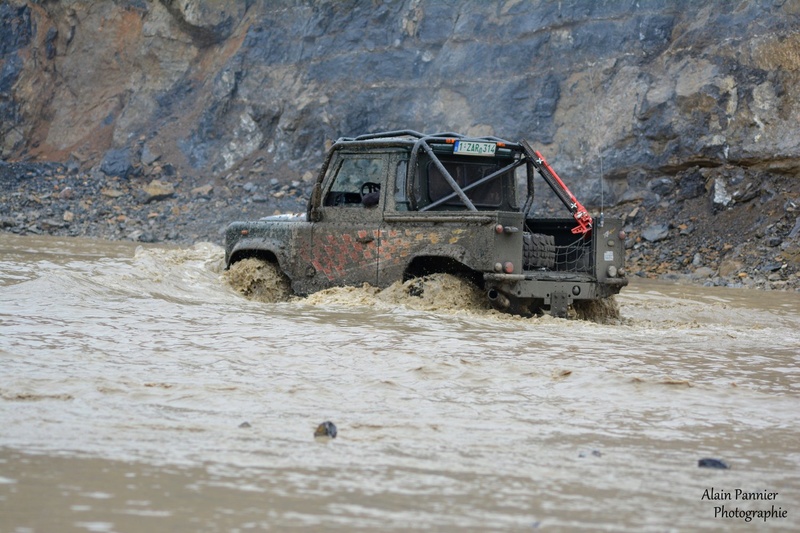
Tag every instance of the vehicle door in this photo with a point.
(346, 238)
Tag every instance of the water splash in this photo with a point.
(258, 280)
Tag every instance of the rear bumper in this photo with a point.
(548, 285)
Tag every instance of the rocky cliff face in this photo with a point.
(611, 87)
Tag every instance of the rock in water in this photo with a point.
(326, 429)
(709, 462)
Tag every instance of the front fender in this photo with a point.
(266, 248)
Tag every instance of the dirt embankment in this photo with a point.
(727, 226)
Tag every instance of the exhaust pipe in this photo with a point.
(498, 300)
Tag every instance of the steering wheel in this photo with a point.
(369, 187)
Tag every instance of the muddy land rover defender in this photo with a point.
(398, 205)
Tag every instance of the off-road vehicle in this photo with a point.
(398, 205)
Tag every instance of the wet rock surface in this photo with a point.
(211, 86)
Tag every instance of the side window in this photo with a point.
(400, 199)
(356, 182)
(489, 194)
(520, 187)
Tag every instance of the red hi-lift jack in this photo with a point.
(579, 213)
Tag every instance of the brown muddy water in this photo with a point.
(140, 392)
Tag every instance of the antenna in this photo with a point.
(602, 188)
(599, 152)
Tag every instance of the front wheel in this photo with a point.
(259, 280)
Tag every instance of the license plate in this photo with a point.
(474, 148)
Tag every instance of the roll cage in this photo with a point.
(433, 145)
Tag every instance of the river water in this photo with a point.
(140, 392)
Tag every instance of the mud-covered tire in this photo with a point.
(443, 291)
(538, 251)
(259, 280)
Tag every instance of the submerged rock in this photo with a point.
(326, 429)
(710, 462)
